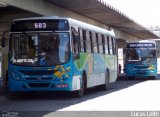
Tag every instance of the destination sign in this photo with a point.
(141, 45)
(40, 25)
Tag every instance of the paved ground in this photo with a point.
(123, 95)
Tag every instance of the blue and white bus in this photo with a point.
(58, 54)
(141, 60)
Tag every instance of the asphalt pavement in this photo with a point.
(123, 95)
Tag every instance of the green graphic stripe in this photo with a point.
(81, 63)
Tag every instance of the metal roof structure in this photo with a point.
(8, 13)
(100, 11)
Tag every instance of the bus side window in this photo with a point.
(100, 43)
(103, 44)
(81, 40)
(97, 43)
(91, 41)
(94, 42)
(88, 43)
(76, 43)
(108, 44)
(113, 46)
(84, 40)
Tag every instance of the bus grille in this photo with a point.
(38, 72)
(38, 79)
(39, 85)
(142, 67)
(140, 72)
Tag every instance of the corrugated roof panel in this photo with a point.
(106, 14)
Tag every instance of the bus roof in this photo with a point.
(91, 27)
(142, 41)
(142, 44)
(80, 24)
(35, 18)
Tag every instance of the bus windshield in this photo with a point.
(40, 49)
(148, 55)
(144, 55)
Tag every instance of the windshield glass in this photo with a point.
(44, 49)
(145, 55)
(133, 54)
(148, 55)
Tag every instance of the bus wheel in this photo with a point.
(152, 77)
(105, 86)
(80, 92)
(130, 77)
(6, 79)
(16, 95)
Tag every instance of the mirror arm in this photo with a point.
(3, 38)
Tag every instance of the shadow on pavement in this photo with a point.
(41, 103)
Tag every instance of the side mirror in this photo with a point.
(3, 39)
(3, 42)
(124, 50)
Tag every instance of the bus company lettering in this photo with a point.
(23, 60)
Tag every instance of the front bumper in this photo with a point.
(14, 85)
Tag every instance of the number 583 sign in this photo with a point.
(40, 25)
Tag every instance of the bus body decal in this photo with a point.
(61, 71)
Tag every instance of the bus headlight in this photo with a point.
(151, 68)
(131, 69)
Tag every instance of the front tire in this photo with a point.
(130, 77)
(152, 78)
(6, 80)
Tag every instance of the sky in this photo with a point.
(144, 12)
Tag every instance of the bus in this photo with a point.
(141, 60)
(58, 54)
